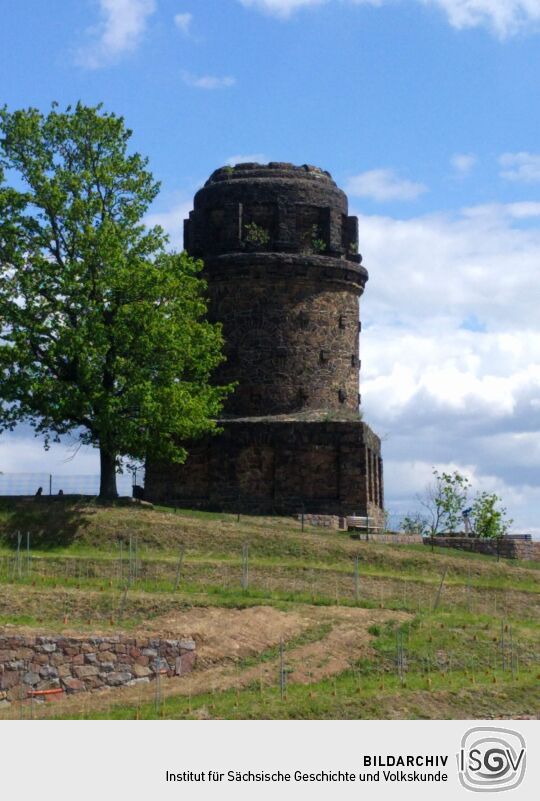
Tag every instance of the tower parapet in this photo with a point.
(294, 206)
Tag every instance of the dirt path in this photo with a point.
(236, 647)
(226, 638)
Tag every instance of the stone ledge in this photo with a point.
(307, 416)
(340, 269)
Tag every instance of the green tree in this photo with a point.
(488, 521)
(103, 332)
(444, 501)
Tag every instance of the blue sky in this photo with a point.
(425, 111)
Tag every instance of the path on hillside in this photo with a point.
(237, 647)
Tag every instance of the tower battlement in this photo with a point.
(293, 209)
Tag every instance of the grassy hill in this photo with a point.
(368, 630)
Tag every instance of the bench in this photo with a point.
(358, 523)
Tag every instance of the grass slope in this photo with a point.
(448, 635)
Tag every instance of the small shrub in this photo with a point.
(256, 234)
(317, 242)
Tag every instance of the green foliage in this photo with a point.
(317, 242)
(452, 489)
(256, 234)
(444, 501)
(487, 520)
(414, 523)
(104, 332)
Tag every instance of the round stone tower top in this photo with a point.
(276, 207)
(274, 171)
(270, 169)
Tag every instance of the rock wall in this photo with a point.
(505, 547)
(278, 466)
(46, 666)
(333, 522)
(391, 539)
(291, 339)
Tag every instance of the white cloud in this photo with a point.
(446, 392)
(281, 8)
(383, 185)
(523, 210)
(207, 81)
(463, 163)
(522, 167)
(503, 17)
(120, 31)
(172, 221)
(25, 466)
(257, 158)
(443, 264)
(21, 452)
(285, 8)
(183, 22)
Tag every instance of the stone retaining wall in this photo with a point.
(323, 521)
(396, 539)
(507, 548)
(42, 667)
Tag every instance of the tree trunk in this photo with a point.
(107, 484)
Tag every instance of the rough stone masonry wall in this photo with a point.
(35, 666)
(333, 522)
(291, 344)
(269, 467)
(507, 548)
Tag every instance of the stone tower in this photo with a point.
(284, 278)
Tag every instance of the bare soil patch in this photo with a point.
(235, 647)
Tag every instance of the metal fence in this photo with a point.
(12, 484)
